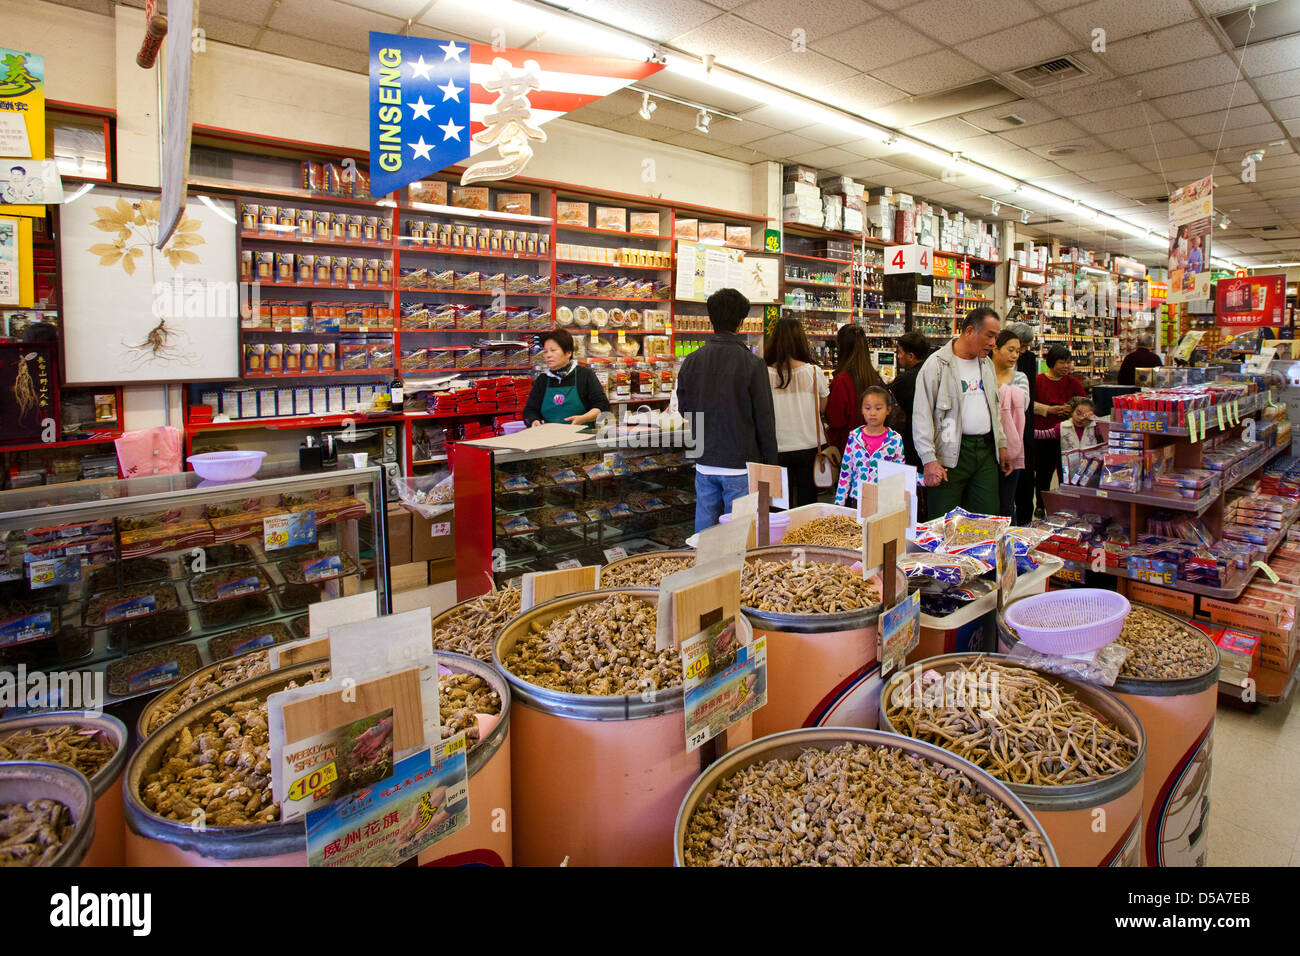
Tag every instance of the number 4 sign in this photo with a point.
(900, 260)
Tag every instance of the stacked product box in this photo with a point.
(247, 403)
(801, 198)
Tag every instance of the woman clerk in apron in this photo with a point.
(566, 391)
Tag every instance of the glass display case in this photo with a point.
(148, 579)
(537, 510)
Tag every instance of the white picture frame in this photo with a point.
(169, 315)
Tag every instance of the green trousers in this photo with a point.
(972, 485)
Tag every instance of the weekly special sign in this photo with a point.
(435, 103)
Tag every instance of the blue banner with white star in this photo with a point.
(419, 108)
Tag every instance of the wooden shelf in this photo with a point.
(286, 237)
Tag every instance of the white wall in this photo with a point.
(90, 59)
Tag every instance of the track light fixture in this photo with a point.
(702, 121)
(1024, 216)
(997, 207)
(648, 106)
(1225, 222)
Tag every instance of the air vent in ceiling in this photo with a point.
(1068, 150)
(1152, 200)
(1050, 73)
(1013, 120)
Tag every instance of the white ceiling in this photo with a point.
(1151, 114)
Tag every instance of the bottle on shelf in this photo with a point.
(395, 394)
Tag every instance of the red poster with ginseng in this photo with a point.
(1251, 302)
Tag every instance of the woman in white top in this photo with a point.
(799, 393)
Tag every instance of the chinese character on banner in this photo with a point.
(435, 103)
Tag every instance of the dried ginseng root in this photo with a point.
(32, 834)
(1012, 722)
(85, 749)
(472, 629)
(226, 674)
(832, 531)
(1163, 649)
(645, 573)
(602, 648)
(461, 698)
(811, 587)
(856, 805)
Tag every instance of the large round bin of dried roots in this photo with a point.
(1072, 751)
(47, 812)
(474, 697)
(644, 570)
(892, 801)
(821, 620)
(471, 627)
(95, 747)
(598, 763)
(1171, 681)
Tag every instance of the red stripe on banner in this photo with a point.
(824, 705)
(475, 127)
(1152, 834)
(554, 100)
(566, 63)
(1112, 856)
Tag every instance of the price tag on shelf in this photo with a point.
(594, 337)
(1236, 411)
(1263, 566)
(622, 336)
(615, 554)
(1103, 493)
(1218, 410)
(566, 565)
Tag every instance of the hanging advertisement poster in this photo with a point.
(22, 121)
(1191, 222)
(1252, 301)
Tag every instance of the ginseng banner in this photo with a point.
(1191, 222)
(435, 103)
(1252, 301)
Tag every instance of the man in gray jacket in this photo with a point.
(956, 425)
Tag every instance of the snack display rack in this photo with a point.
(1079, 311)
(145, 579)
(561, 507)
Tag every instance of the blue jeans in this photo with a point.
(714, 495)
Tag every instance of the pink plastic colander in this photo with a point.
(1074, 621)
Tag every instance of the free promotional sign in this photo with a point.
(1252, 301)
(435, 103)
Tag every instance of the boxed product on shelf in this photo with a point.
(713, 232)
(570, 213)
(796, 172)
(432, 191)
(611, 217)
(517, 203)
(644, 223)
(470, 197)
(688, 229)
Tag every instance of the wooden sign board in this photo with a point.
(742, 507)
(542, 586)
(323, 615)
(875, 532)
(883, 496)
(299, 652)
(333, 708)
(697, 606)
(777, 479)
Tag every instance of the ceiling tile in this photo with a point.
(1104, 95)
(825, 133)
(744, 154)
(1186, 76)
(1260, 135)
(1148, 51)
(1124, 18)
(940, 20)
(1155, 133)
(103, 7)
(1057, 131)
(245, 11)
(901, 179)
(298, 48)
(1279, 85)
(1271, 56)
(785, 144)
(875, 43)
(861, 94)
(864, 169)
(661, 20)
(870, 148)
(1286, 108)
(227, 31)
(942, 132)
(1055, 6)
(1085, 161)
(699, 143)
(402, 9)
(1109, 120)
(817, 18)
(1113, 172)
(1213, 99)
(334, 23)
(930, 73)
(1023, 45)
(1164, 152)
(806, 72)
(826, 156)
(738, 134)
(1237, 117)
(733, 41)
(779, 117)
(991, 118)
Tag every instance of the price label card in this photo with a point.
(330, 765)
(615, 554)
(724, 680)
(440, 529)
(288, 530)
(900, 632)
(1219, 411)
(321, 569)
(28, 627)
(1272, 575)
(423, 801)
(566, 565)
(914, 258)
(54, 571)
(126, 610)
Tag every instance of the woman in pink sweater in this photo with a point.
(1013, 396)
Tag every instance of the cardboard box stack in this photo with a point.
(801, 202)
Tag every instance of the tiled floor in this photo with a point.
(1255, 787)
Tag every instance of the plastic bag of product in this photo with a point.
(1101, 666)
(946, 569)
(427, 495)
